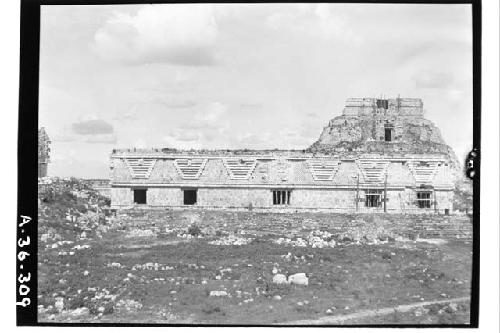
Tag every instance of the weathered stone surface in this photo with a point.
(280, 279)
(361, 128)
(80, 312)
(375, 157)
(218, 293)
(299, 279)
(43, 152)
(59, 304)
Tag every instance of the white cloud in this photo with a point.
(210, 117)
(92, 127)
(173, 142)
(88, 129)
(206, 125)
(318, 21)
(140, 143)
(126, 116)
(180, 134)
(434, 80)
(251, 140)
(63, 137)
(177, 34)
(329, 25)
(212, 113)
(177, 103)
(101, 138)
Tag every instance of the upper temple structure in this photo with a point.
(380, 155)
(390, 126)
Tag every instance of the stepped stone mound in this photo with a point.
(384, 126)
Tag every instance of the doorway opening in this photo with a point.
(388, 131)
(190, 196)
(373, 198)
(140, 197)
(424, 199)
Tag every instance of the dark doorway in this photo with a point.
(424, 199)
(389, 128)
(373, 198)
(190, 197)
(382, 103)
(281, 197)
(388, 134)
(140, 197)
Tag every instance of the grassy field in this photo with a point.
(168, 266)
(209, 267)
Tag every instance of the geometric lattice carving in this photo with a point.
(322, 169)
(140, 167)
(423, 171)
(190, 168)
(283, 168)
(239, 168)
(373, 170)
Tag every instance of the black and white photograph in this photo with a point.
(254, 164)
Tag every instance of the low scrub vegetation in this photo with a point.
(218, 267)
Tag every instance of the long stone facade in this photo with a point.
(339, 179)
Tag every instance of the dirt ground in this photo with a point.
(218, 268)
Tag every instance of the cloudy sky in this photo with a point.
(240, 76)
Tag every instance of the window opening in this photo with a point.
(281, 197)
(382, 103)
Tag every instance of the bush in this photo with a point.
(273, 289)
(194, 230)
(211, 309)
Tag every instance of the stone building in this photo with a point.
(43, 152)
(100, 185)
(378, 156)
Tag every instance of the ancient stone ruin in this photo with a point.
(390, 126)
(43, 152)
(380, 155)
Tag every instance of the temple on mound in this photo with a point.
(385, 126)
(380, 155)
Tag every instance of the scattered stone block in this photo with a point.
(299, 279)
(218, 293)
(80, 312)
(280, 279)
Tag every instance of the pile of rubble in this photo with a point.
(140, 233)
(67, 190)
(231, 240)
(128, 305)
(151, 266)
(315, 239)
(70, 208)
(298, 279)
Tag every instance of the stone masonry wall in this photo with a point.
(301, 199)
(279, 172)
